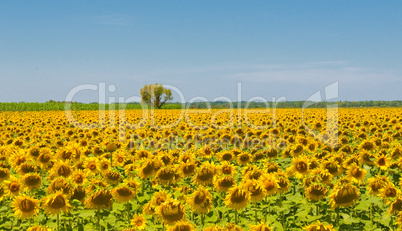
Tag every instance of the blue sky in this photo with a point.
(288, 49)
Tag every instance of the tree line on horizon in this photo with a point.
(60, 105)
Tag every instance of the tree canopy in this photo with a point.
(155, 95)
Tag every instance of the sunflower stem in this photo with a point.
(111, 159)
(371, 215)
(128, 213)
(58, 221)
(256, 210)
(99, 227)
(202, 219)
(236, 217)
(317, 209)
(337, 217)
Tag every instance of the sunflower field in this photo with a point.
(249, 169)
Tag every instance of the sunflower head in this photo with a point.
(101, 198)
(182, 226)
(138, 222)
(257, 191)
(237, 198)
(200, 201)
(171, 211)
(344, 195)
(318, 226)
(25, 207)
(56, 203)
(124, 193)
(299, 167)
(205, 174)
(316, 192)
(32, 180)
(260, 227)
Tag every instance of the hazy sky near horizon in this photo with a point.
(288, 49)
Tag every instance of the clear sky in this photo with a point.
(288, 49)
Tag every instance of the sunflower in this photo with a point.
(159, 198)
(299, 167)
(124, 193)
(139, 222)
(396, 205)
(12, 186)
(316, 192)
(257, 191)
(318, 226)
(147, 169)
(382, 161)
(182, 226)
(61, 168)
(375, 184)
(59, 184)
(130, 170)
(78, 177)
(251, 172)
(26, 167)
(356, 173)
(4, 174)
(344, 195)
(165, 175)
(17, 158)
(25, 207)
(243, 158)
(112, 176)
(171, 211)
(56, 203)
(200, 201)
(224, 183)
(324, 175)
(283, 182)
(389, 192)
(100, 199)
(367, 145)
(226, 156)
(78, 193)
(32, 180)
(187, 169)
(237, 198)
(34, 152)
(332, 166)
(119, 158)
(260, 227)
(270, 184)
(110, 146)
(91, 165)
(103, 164)
(271, 167)
(227, 168)
(38, 228)
(297, 150)
(205, 174)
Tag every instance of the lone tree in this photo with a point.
(152, 95)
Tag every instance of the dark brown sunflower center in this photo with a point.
(188, 169)
(14, 186)
(92, 166)
(238, 197)
(124, 192)
(27, 205)
(381, 162)
(64, 171)
(58, 202)
(357, 173)
(32, 180)
(301, 167)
